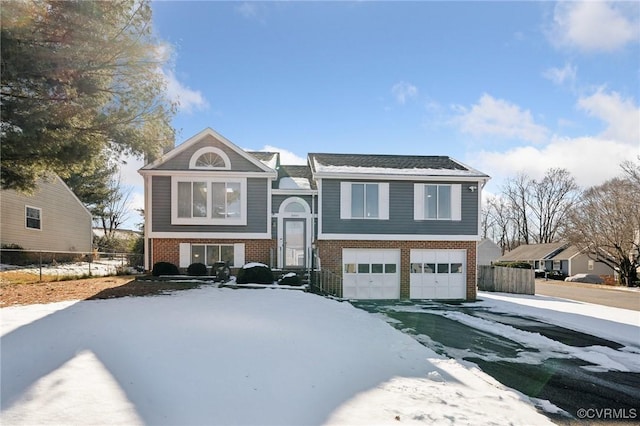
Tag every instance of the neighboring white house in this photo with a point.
(50, 219)
(488, 252)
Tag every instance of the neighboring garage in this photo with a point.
(371, 274)
(437, 274)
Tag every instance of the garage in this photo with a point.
(438, 274)
(371, 274)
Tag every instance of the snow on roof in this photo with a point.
(392, 171)
(294, 183)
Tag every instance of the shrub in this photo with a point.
(518, 265)
(164, 268)
(290, 279)
(255, 273)
(197, 269)
(11, 257)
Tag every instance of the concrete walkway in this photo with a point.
(617, 297)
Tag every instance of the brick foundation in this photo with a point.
(330, 254)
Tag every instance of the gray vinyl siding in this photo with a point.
(580, 265)
(181, 161)
(401, 219)
(257, 190)
(277, 200)
(65, 223)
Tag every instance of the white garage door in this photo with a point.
(370, 274)
(438, 274)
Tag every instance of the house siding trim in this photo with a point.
(392, 237)
(221, 235)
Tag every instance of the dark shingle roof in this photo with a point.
(387, 164)
(265, 156)
(527, 252)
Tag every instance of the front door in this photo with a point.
(294, 242)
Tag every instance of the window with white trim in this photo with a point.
(210, 158)
(364, 200)
(209, 254)
(437, 201)
(33, 217)
(213, 201)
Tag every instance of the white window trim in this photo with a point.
(175, 220)
(205, 150)
(25, 217)
(185, 253)
(383, 200)
(418, 202)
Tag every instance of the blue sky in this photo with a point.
(505, 87)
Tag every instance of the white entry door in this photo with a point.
(370, 274)
(438, 274)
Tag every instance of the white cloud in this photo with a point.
(590, 160)
(561, 75)
(595, 26)
(499, 118)
(404, 91)
(187, 99)
(621, 115)
(252, 10)
(286, 157)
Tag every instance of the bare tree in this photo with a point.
(112, 212)
(518, 193)
(501, 225)
(550, 200)
(605, 224)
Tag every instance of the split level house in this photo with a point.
(388, 226)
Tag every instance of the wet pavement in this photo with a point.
(564, 367)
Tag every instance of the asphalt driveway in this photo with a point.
(539, 371)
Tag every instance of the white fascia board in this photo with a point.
(294, 192)
(208, 173)
(389, 177)
(212, 235)
(395, 237)
(195, 139)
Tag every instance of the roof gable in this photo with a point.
(208, 137)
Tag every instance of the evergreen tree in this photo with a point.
(78, 79)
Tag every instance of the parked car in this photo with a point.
(540, 273)
(557, 275)
(585, 278)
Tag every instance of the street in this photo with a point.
(599, 294)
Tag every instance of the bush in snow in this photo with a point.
(197, 269)
(164, 268)
(255, 273)
(290, 278)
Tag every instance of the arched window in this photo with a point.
(294, 207)
(209, 158)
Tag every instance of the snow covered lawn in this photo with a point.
(218, 356)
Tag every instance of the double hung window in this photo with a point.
(437, 202)
(364, 200)
(33, 217)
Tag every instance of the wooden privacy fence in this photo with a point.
(506, 280)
